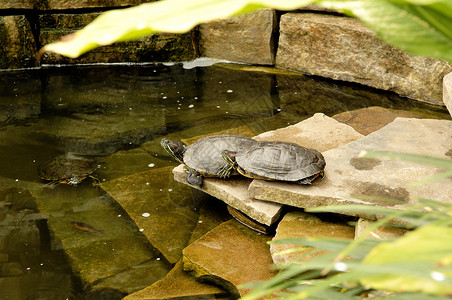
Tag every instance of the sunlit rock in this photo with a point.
(447, 92)
(17, 47)
(73, 4)
(178, 284)
(163, 210)
(230, 255)
(302, 225)
(382, 232)
(234, 192)
(347, 176)
(370, 119)
(319, 132)
(248, 38)
(18, 4)
(344, 49)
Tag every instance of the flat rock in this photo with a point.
(347, 176)
(319, 132)
(178, 284)
(370, 119)
(302, 225)
(248, 38)
(447, 92)
(157, 205)
(230, 255)
(344, 49)
(234, 192)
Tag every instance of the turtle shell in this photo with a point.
(280, 161)
(205, 155)
(63, 168)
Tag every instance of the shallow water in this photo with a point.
(117, 115)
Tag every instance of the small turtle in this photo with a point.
(276, 161)
(63, 169)
(204, 158)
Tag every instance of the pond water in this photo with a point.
(117, 115)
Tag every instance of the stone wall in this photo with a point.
(321, 43)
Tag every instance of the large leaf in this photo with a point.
(175, 16)
(428, 249)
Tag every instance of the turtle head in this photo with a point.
(174, 148)
(194, 178)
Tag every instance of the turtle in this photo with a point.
(276, 160)
(204, 158)
(69, 170)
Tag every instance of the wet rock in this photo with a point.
(234, 192)
(156, 47)
(370, 119)
(319, 132)
(342, 48)
(17, 46)
(162, 209)
(223, 257)
(302, 225)
(94, 255)
(382, 232)
(447, 92)
(178, 284)
(344, 181)
(248, 38)
(137, 277)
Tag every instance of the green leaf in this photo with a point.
(174, 16)
(419, 261)
(418, 29)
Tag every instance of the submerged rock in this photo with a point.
(178, 284)
(230, 255)
(163, 210)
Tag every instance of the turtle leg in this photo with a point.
(230, 164)
(193, 177)
(310, 179)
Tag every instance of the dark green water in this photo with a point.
(117, 115)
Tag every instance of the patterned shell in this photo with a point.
(204, 155)
(62, 167)
(281, 161)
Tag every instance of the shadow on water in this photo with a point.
(124, 240)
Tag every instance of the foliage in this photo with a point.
(415, 266)
(422, 27)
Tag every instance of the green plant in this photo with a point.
(422, 27)
(415, 266)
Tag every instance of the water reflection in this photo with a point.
(117, 115)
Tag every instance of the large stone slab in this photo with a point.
(17, 4)
(248, 38)
(234, 192)
(17, 44)
(298, 224)
(342, 48)
(230, 255)
(72, 4)
(320, 132)
(158, 206)
(347, 176)
(447, 92)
